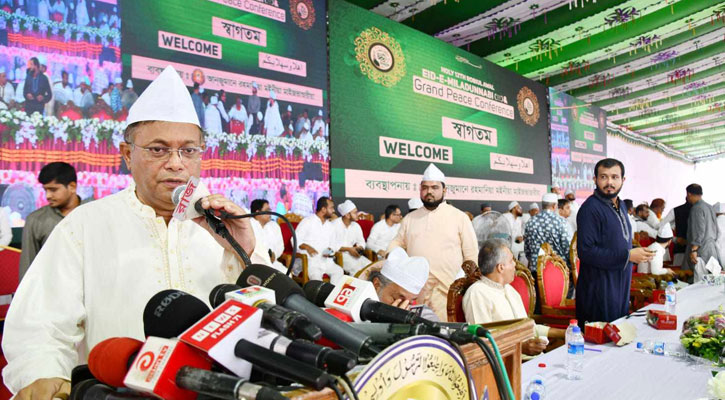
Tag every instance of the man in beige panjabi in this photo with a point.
(442, 234)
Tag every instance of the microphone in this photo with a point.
(290, 295)
(190, 194)
(277, 318)
(220, 332)
(91, 389)
(170, 312)
(116, 348)
(358, 299)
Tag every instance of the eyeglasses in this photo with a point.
(164, 153)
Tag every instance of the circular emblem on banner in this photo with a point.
(303, 13)
(528, 106)
(20, 198)
(380, 57)
(419, 367)
(198, 76)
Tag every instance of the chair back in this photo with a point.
(524, 284)
(287, 235)
(364, 273)
(454, 306)
(366, 225)
(9, 277)
(574, 259)
(553, 277)
(366, 217)
(293, 218)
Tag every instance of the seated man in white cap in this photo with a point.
(442, 234)
(272, 119)
(315, 237)
(414, 204)
(82, 96)
(349, 238)
(76, 292)
(659, 247)
(238, 115)
(533, 210)
(318, 125)
(400, 281)
(493, 298)
(385, 230)
(513, 216)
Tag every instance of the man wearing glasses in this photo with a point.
(102, 263)
(385, 230)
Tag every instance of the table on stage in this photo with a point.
(621, 373)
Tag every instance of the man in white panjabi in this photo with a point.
(318, 125)
(269, 231)
(442, 234)
(348, 237)
(571, 196)
(492, 298)
(513, 216)
(385, 230)
(239, 113)
(315, 239)
(272, 119)
(659, 247)
(101, 264)
(533, 210)
(212, 116)
(641, 214)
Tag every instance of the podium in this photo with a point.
(508, 336)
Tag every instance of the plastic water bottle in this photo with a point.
(670, 298)
(536, 389)
(575, 356)
(567, 335)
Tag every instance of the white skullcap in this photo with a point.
(289, 108)
(346, 207)
(254, 85)
(259, 115)
(432, 173)
(165, 99)
(415, 203)
(665, 231)
(319, 113)
(273, 95)
(533, 206)
(129, 84)
(214, 100)
(512, 205)
(550, 198)
(42, 60)
(568, 192)
(118, 80)
(410, 273)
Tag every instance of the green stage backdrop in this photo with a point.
(402, 99)
(578, 141)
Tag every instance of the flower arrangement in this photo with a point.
(704, 335)
(73, 31)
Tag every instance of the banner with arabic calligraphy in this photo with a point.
(402, 100)
(578, 141)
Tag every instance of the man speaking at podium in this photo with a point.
(102, 263)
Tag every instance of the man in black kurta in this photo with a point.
(604, 246)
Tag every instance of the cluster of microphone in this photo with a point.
(266, 324)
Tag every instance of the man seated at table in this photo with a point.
(400, 281)
(659, 247)
(493, 298)
(385, 230)
(315, 238)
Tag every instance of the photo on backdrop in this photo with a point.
(257, 72)
(403, 99)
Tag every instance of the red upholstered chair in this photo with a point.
(574, 260)
(524, 284)
(367, 225)
(454, 306)
(9, 278)
(553, 278)
(286, 257)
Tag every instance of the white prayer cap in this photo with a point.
(345, 207)
(118, 80)
(307, 125)
(550, 198)
(42, 60)
(214, 100)
(665, 231)
(533, 206)
(254, 85)
(165, 99)
(568, 192)
(273, 95)
(513, 204)
(432, 173)
(129, 84)
(319, 113)
(259, 115)
(410, 273)
(415, 203)
(289, 108)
